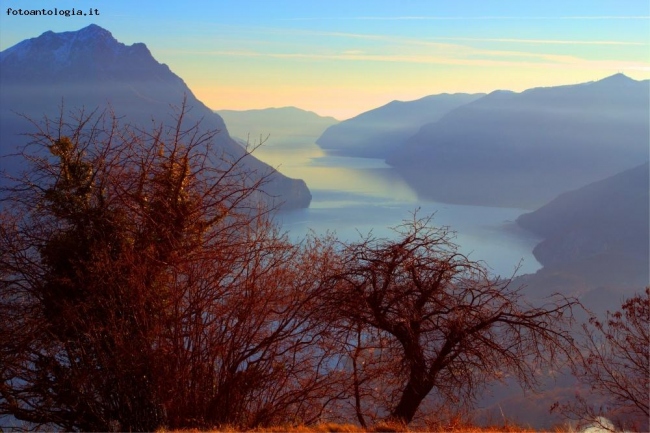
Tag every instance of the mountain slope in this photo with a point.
(90, 69)
(605, 217)
(523, 149)
(595, 240)
(376, 133)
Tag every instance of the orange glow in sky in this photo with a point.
(341, 58)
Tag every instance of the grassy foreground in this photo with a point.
(382, 427)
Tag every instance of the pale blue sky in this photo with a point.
(343, 57)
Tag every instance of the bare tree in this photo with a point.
(433, 322)
(142, 285)
(615, 365)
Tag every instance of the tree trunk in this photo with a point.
(414, 392)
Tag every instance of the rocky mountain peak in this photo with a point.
(89, 68)
(77, 55)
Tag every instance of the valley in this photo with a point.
(532, 194)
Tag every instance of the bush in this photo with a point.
(143, 286)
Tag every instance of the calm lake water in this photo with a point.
(359, 195)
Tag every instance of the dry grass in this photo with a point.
(381, 427)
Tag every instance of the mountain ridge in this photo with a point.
(89, 68)
(68, 52)
(523, 149)
(595, 241)
(606, 216)
(282, 126)
(378, 132)
(287, 108)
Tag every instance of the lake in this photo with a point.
(360, 195)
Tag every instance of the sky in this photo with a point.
(340, 58)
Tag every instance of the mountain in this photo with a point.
(595, 241)
(523, 149)
(286, 125)
(376, 133)
(89, 69)
(609, 216)
(595, 247)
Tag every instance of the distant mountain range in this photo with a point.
(523, 149)
(286, 125)
(90, 69)
(379, 132)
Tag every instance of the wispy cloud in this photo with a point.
(606, 17)
(544, 61)
(301, 44)
(460, 46)
(541, 41)
(471, 18)
(443, 41)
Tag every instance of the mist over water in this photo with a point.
(356, 196)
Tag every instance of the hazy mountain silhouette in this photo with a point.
(523, 149)
(286, 125)
(88, 69)
(595, 248)
(376, 133)
(605, 217)
(595, 240)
